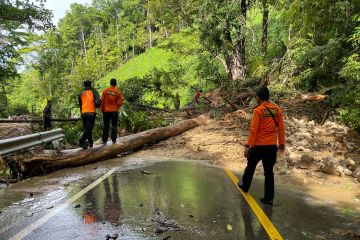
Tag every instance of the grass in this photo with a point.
(140, 65)
(158, 57)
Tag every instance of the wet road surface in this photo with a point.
(183, 200)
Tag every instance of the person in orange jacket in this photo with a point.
(267, 135)
(111, 102)
(89, 100)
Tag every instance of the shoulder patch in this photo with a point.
(265, 112)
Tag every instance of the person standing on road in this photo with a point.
(89, 100)
(267, 135)
(47, 116)
(111, 102)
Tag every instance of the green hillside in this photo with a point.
(179, 63)
(140, 65)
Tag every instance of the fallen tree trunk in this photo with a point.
(318, 97)
(234, 107)
(207, 99)
(151, 108)
(53, 160)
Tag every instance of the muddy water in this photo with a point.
(199, 199)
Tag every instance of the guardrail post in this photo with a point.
(13, 145)
(4, 168)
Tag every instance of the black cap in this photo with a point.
(113, 82)
(263, 93)
(87, 83)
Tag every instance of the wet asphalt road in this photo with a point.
(194, 200)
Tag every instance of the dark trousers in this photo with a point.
(107, 117)
(268, 156)
(88, 120)
(47, 123)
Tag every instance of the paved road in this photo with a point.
(186, 200)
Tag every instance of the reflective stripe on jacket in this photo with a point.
(111, 100)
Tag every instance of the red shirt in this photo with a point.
(197, 96)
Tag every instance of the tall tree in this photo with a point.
(222, 26)
(17, 20)
(265, 22)
(325, 26)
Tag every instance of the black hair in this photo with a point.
(87, 83)
(263, 93)
(113, 82)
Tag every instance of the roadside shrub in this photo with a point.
(73, 132)
(133, 120)
(17, 110)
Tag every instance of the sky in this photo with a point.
(59, 7)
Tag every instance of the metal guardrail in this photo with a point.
(39, 120)
(12, 145)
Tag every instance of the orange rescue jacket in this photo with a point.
(87, 102)
(111, 100)
(263, 130)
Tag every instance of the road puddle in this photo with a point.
(178, 200)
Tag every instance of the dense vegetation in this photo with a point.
(161, 48)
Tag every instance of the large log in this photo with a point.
(314, 98)
(54, 160)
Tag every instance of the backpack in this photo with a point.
(97, 99)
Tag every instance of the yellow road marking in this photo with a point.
(264, 220)
(26, 231)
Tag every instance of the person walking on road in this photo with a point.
(267, 136)
(111, 102)
(47, 116)
(89, 100)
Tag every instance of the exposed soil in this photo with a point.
(10, 130)
(312, 149)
